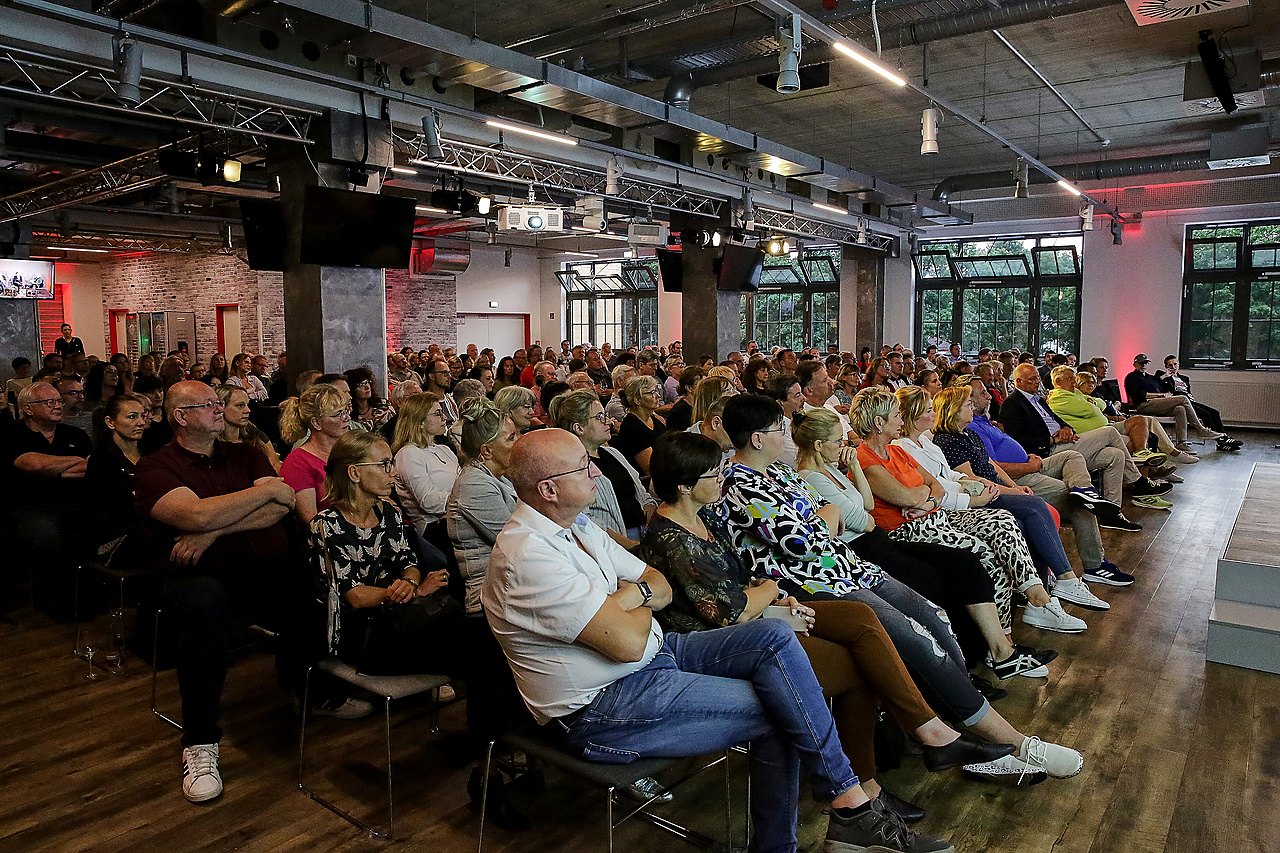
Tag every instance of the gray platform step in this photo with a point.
(1245, 635)
(1250, 583)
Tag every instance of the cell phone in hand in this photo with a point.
(779, 611)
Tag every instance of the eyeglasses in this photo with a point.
(387, 465)
(51, 402)
(654, 392)
(365, 384)
(717, 474)
(205, 405)
(778, 428)
(586, 467)
(602, 417)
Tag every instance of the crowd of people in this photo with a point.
(647, 555)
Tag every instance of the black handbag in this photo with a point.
(395, 633)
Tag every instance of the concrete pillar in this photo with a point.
(710, 319)
(335, 318)
(862, 283)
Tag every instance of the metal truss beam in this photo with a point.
(94, 87)
(789, 223)
(507, 166)
(119, 243)
(114, 179)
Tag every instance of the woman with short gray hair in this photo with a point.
(642, 426)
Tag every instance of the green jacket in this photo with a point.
(1081, 412)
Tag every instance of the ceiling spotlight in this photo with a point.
(930, 118)
(1021, 178)
(231, 170)
(1117, 232)
(789, 57)
(716, 239)
(431, 135)
(862, 232)
(1086, 218)
(775, 247)
(483, 205)
(613, 171)
(127, 54)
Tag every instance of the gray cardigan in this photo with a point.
(476, 511)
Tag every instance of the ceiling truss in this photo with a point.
(790, 223)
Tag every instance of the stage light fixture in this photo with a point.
(1117, 232)
(127, 54)
(231, 168)
(431, 135)
(774, 246)
(716, 239)
(930, 118)
(484, 204)
(1021, 179)
(789, 57)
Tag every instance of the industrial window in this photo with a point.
(1231, 295)
(614, 301)
(999, 292)
(798, 304)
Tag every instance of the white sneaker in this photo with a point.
(1052, 617)
(1009, 770)
(1183, 457)
(1076, 591)
(1060, 762)
(200, 778)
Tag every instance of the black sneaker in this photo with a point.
(1119, 522)
(1108, 573)
(905, 809)
(1022, 662)
(1144, 486)
(988, 690)
(880, 829)
(1226, 442)
(1094, 502)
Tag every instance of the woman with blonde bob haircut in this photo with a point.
(908, 505)
(518, 403)
(320, 415)
(705, 394)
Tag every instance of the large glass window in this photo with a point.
(614, 301)
(798, 304)
(1231, 295)
(999, 292)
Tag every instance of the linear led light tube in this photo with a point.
(77, 249)
(580, 254)
(550, 137)
(404, 170)
(869, 63)
(830, 208)
(424, 209)
(1069, 188)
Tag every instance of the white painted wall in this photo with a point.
(517, 289)
(82, 302)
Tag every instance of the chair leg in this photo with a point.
(391, 815)
(609, 814)
(302, 735)
(728, 805)
(484, 791)
(155, 675)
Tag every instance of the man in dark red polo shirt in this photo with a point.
(212, 512)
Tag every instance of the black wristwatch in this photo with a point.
(643, 586)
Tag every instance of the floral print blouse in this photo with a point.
(708, 579)
(772, 519)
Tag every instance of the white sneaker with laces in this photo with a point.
(1009, 770)
(1060, 762)
(200, 778)
(1052, 617)
(1076, 591)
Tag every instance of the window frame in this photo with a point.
(803, 289)
(632, 290)
(1036, 283)
(1240, 278)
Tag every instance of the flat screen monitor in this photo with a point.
(26, 279)
(671, 269)
(351, 229)
(264, 233)
(739, 268)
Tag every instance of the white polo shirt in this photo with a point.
(541, 590)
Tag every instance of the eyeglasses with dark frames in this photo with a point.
(387, 465)
(574, 471)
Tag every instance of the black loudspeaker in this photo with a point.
(263, 222)
(1216, 70)
(738, 268)
(671, 270)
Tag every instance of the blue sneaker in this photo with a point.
(1108, 573)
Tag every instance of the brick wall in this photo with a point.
(420, 310)
(197, 283)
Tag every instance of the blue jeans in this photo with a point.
(710, 690)
(1036, 523)
(922, 635)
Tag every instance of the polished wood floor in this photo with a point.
(1180, 755)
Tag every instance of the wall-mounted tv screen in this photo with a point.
(351, 229)
(739, 268)
(26, 279)
(671, 268)
(264, 233)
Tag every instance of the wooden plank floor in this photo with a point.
(1180, 755)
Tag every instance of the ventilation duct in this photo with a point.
(1075, 172)
(1237, 149)
(436, 259)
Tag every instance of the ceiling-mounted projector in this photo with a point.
(526, 218)
(648, 234)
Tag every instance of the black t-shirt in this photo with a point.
(623, 487)
(109, 487)
(634, 437)
(34, 489)
(681, 415)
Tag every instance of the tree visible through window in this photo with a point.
(1231, 295)
(798, 303)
